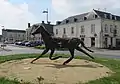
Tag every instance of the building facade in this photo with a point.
(29, 37)
(11, 35)
(96, 28)
(0, 38)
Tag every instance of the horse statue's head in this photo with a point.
(38, 28)
(34, 29)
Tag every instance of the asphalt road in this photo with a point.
(13, 49)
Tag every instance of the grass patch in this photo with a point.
(113, 64)
(3, 80)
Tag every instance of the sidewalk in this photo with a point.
(106, 51)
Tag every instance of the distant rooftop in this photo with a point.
(14, 30)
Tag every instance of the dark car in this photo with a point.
(33, 43)
(23, 43)
(38, 43)
(28, 43)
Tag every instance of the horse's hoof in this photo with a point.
(31, 62)
(64, 63)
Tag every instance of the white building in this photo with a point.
(97, 28)
(12, 35)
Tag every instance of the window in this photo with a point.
(82, 30)
(72, 30)
(56, 31)
(115, 30)
(92, 28)
(111, 28)
(113, 18)
(67, 21)
(64, 31)
(115, 26)
(96, 16)
(85, 18)
(75, 19)
(106, 28)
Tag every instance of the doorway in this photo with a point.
(106, 42)
(93, 42)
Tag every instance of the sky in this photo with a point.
(16, 14)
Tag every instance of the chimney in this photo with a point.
(48, 22)
(43, 22)
(28, 25)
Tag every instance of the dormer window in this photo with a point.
(113, 18)
(58, 22)
(75, 19)
(56, 31)
(64, 31)
(85, 18)
(67, 21)
(96, 16)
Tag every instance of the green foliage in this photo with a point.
(40, 47)
(112, 64)
(4, 80)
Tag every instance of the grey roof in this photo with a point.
(102, 15)
(72, 18)
(14, 30)
(81, 16)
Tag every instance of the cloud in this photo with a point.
(15, 16)
(67, 8)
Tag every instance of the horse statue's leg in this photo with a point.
(79, 49)
(44, 52)
(52, 52)
(72, 56)
(86, 47)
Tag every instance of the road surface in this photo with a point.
(13, 49)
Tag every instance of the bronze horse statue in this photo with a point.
(51, 43)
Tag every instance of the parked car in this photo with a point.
(29, 43)
(23, 43)
(18, 43)
(38, 43)
(33, 43)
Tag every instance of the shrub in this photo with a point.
(40, 47)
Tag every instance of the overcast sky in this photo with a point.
(15, 14)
